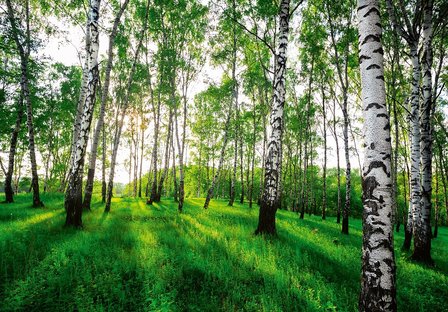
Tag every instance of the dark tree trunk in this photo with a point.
(324, 174)
(167, 158)
(408, 224)
(436, 205)
(221, 160)
(25, 91)
(124, 107)
(174, 172)
(242, 170)
(346, 210)
(103, 173)
(142, 144)
(9, 192)
(153, 194)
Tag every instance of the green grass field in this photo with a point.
(150, 258)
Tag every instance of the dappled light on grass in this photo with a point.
(145, 258)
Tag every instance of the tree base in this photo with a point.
(423, 257)
(344, 226)
(407, 240)
(266, 219)
(38, 204)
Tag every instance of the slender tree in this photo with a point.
(73, 195)
(24, 53)
(411, 34)
(9, 192)
(270, 198)
(342, 66)
(324, 169)
(167, 156)
(422, 225)
(104, 96)
(124, 108)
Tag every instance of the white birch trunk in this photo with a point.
(422, 225)
(73, 196)
(104, 97)
(378, 292)
(270, 199)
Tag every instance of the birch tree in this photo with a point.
(73, 195)
(121, 113)
(9, 192)
(422, 218)
(271, 198)
(344, 12)
(378, 292)
(411, 34)
(104, 98)
(24, 49)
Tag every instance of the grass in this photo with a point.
(150, 258)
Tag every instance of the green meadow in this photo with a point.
(151, 258)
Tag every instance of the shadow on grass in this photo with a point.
(80, 270)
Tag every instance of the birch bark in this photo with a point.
(270, 198)
(378, 291)
(104, 97)
(73, 195)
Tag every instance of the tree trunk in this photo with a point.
(174, 171)
(395, 62)
(104, 96)
(304, 187)
(270, 199)
(241, 167)
(378, 290)
(103, 173)
(409, 223)
(324, 169)
(263, 160)
(346, 210)
(167, 157)
(221, 160)
(343, 79)
(405, 196)
(312, 208)
(181, 158)
(436, 204)
(338, 165)
(235, 103)
(142, 144)
(83, 91)
(9, 192)
(443, 174)
(124, 107)
(422, 224)
(254, 139)
(153, 195)
(136, 159)
(415, 140)
(73, 195)
(25, 90)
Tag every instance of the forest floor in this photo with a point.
(150, 258)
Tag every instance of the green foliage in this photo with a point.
(150, 258)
